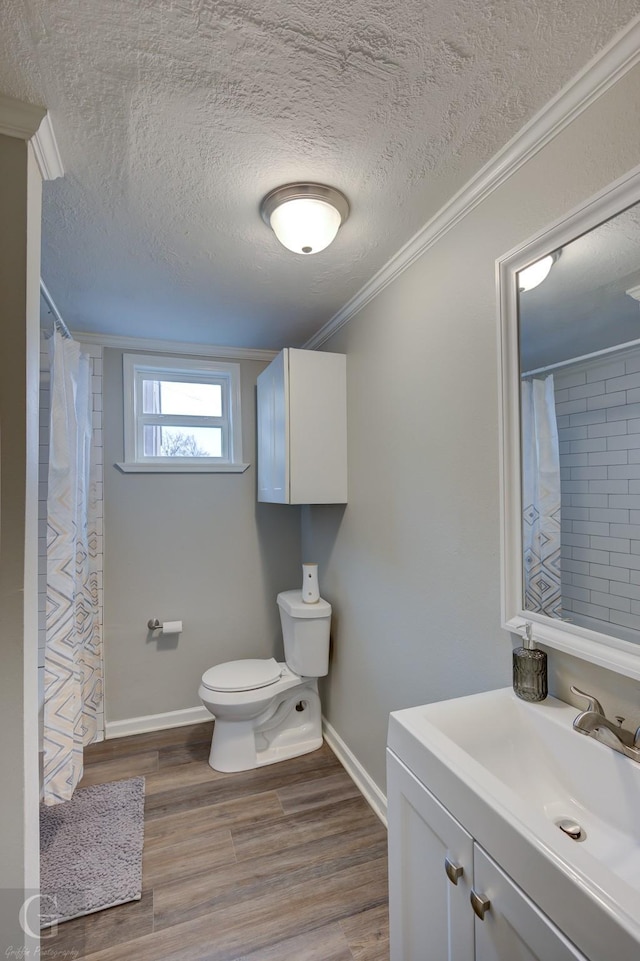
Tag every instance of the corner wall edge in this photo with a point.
(360, 777)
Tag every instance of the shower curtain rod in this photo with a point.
(581, 359)
(53, 310)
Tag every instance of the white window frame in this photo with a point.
(136, 368)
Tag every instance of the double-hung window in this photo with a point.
(181, 415)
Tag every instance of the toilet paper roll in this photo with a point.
(172, 627)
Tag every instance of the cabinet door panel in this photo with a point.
(514, 929)
(431, 918)
(318, 427)
(273, 432)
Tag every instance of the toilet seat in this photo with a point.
(249, 674)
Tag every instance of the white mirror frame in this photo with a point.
(603, 649)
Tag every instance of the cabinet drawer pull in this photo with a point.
(480, 904)
(454, 871)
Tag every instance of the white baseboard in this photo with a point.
(363, 781)
(156, 722)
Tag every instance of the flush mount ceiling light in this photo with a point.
(305, 217)
(533, 275)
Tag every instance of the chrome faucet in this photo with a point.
(593, 723)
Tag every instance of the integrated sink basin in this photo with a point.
(512, 773)
(533, 750)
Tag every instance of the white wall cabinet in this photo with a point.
(302, 428)
(435, 869)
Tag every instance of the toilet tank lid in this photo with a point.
(292, 603)
(245, 675)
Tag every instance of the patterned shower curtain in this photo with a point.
(73, 647)
(541, 498)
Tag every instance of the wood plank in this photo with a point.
(95, 932)
(326, 943)
(194, 774)
(292, 830)
(368, 934)
(229, 814)
(187, 735)
(240, 928)
(290, 868)
(119, 768)
(224, 787)
(318, 792)
(183, 754)
(164, 861)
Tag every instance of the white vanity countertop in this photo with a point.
(508, 770)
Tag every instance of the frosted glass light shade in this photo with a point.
(305, 226)
(305, 217)
(533, 275)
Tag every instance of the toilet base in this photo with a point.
(289, 728)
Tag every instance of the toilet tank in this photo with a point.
(305, 630)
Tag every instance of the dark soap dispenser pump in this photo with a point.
(529, 669)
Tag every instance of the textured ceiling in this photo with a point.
(175, 117)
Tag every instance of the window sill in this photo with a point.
(130, 467)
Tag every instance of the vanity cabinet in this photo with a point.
(302, 428)
(435, 868)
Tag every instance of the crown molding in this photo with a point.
(27, 121)
(19, 119)
(598, 76)
(178, 347)
(45, 148)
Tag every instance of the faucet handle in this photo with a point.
(593, 703)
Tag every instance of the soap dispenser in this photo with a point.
(529, 669)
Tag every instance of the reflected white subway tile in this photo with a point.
(606, 370)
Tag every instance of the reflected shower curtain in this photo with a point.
(540, 498)
(73, 647)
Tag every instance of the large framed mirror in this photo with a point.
(569, 302)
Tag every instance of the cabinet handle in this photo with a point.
(454, 871)
(480, 904)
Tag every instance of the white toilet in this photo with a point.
(266, 711)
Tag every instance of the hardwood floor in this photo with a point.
(284, 863)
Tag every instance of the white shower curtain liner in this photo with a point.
(541, 497)
(73, 646)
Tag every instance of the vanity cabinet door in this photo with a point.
(429, 910)
(514, 929)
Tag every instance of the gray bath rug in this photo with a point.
(91, 850)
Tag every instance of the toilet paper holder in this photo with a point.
(168, 627)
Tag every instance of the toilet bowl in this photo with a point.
(267, 711)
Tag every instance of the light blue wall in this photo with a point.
(412, 563)
(195, 547)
